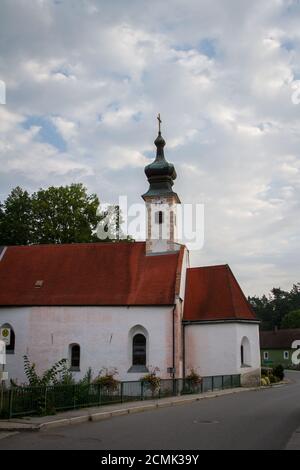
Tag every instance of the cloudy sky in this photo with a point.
(86, 78)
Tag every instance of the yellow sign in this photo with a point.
(5, 335)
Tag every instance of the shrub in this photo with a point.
(263, 382)
(65, 377)
(51, 376)
(266, 371)
(193, 377)
(151, 380)
(87, 379)
(278, 371)
(267, 380)
(106, 379)
(273, 379)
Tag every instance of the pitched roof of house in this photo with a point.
(278, 339)
(213, 293)
(88, 274)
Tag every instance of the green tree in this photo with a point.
(16, 218)
(65, 214)
(291, 320)
(272, 309)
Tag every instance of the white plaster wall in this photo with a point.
(250, 375)
(45, 333)
(162, 236)
(214, 349)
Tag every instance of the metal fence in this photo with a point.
(28, 401)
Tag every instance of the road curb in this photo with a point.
(104, 415)
(294, 442)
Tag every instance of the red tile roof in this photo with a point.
(88, 274)
(213, 293)
(279, 339)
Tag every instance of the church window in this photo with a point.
(245, 352)
(242, 355)
(10, 348)
(139, 350)
(75, 356)
(159, 217)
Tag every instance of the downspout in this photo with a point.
(173, 339)
(183, 350)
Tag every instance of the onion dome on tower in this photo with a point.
(160, 173)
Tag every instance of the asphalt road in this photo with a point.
(262, 419)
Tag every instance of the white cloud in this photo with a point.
(222, 75)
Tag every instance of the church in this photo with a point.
(130, 306)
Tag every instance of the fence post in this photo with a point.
(99, 394)
(45, 399)
(74, 396)
(177, 387)
(201, 389)
(222, 382)
(142, 390)
(10, 398)
(231, 381)
(212, 383)
(121, 392)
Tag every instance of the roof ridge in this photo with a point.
(59, 245)
(209, 266)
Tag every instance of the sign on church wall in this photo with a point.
(5, 335)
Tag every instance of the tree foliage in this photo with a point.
(50, 377)
(65, 214)
(291, 320)
(272, 309)
(16, 218)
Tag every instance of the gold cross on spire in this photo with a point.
(159, 122)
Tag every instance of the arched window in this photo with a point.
(245, 352)
(242, 354)
(75, 356)
(139, 350)
(159, 217)
(10, 348)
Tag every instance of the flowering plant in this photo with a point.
(151, 380)
(194, 377)
(107, 379)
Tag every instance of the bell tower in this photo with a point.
(161, 201)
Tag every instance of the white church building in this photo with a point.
(131, 306)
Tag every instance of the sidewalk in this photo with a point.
(108, 411)
(294, 442)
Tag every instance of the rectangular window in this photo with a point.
(286, 355)
(159, 218)
(266, 355)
